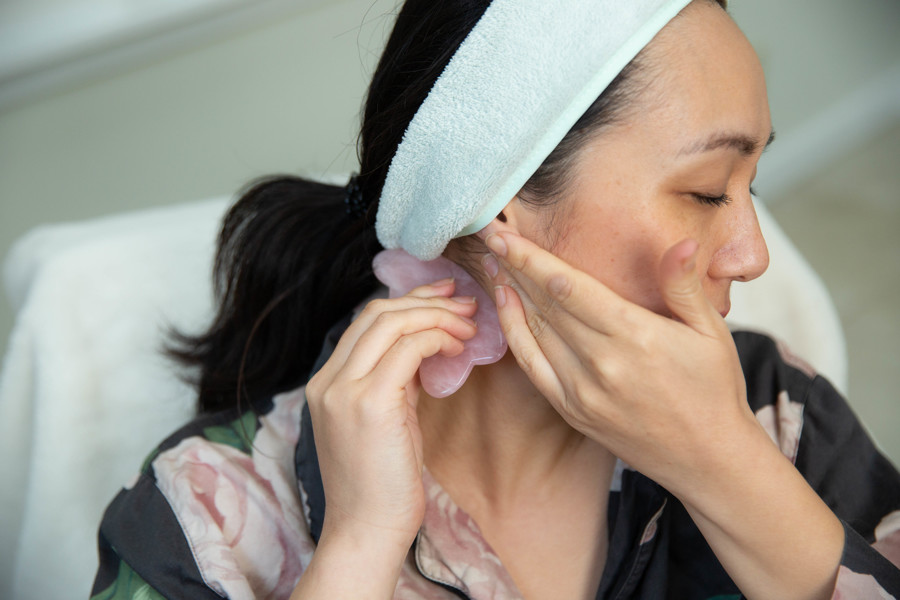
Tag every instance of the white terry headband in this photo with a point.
(517, 84)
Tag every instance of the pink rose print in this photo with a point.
(783, 421)
(887, 537)
(854, 586)
(241, 514)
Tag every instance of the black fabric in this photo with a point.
(836, 455)
(694, 569)
(306, 459)
(637, 502)
(764, 372)
(307, 464)
(140, 529)
(860, 557)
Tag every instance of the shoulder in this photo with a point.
(218, 502)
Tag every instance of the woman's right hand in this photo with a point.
(363, 407)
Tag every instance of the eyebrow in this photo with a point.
(744, 144)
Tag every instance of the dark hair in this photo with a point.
(291, 262)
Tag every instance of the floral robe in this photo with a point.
(231, 506)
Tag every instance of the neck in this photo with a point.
(498, 442)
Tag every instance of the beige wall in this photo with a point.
(815, 52)
(284, 97)
(281, 98)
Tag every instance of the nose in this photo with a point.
(742, 254)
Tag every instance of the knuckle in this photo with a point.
(622, 314)
(448, 322)
(546, 304)
(537, 324)
(560, 287)
(338, 397)
(645, 340)
(330, 395)
(384, 319)
(595, 363)
(375, 307)
(524, 262)
(314, 389)
(406, 343)
(611, 373)
(579, 395)
(526, 361)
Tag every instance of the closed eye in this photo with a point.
(722, 200)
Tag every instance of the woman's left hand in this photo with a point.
(667, 395)
(658, 392)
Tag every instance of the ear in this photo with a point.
(512, 218)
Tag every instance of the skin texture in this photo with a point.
(634, 188)
(618, 349)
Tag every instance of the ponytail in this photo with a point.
(291, 262)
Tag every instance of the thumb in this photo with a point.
(682, 290)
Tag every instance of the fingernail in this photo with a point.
(443, 282)
(500, 296)
(464, 299)
(490, 265)
(469, 321)
(496, 244)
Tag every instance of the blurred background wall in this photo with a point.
(109, 106)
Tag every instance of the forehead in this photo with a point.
(701, 74)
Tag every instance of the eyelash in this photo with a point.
(722, 200)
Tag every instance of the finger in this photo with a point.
(525, 347)
(464, 307)
(391, 326)
(560, 335)
(568, 297)
(566, 355)
(444, 287)
(556, 330)
(682, 289)
(398, 366)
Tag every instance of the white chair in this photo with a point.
(85, 394)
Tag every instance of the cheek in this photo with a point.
(622, 251)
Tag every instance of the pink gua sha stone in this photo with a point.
(442, 375)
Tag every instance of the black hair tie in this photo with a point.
(356, 206)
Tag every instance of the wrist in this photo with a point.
(768, 527)
(375, 545)
(353, 563)
(721, 458)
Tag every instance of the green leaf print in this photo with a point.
(128, 586)
(238, 434)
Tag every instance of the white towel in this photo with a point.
(519, 81)
(84, 390)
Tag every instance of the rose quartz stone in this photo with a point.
(441, 375)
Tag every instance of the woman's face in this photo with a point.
(648, 182)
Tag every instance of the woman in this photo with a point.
(617, 451)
